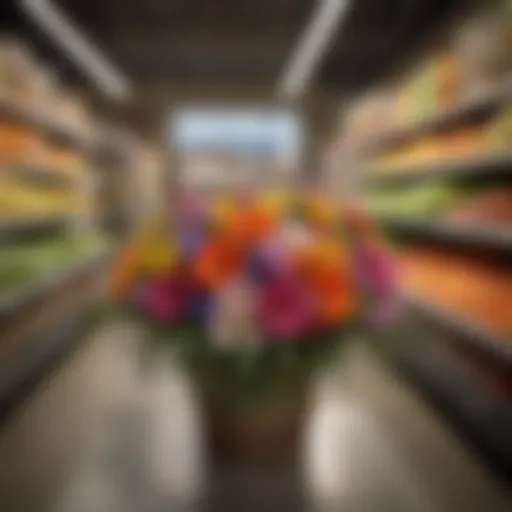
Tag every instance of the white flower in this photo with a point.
(233, 316)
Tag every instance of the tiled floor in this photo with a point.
(371, 446)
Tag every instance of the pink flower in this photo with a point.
(168, 298)
(377, 274)
(374, 269)
(284, 309)
(160, 300)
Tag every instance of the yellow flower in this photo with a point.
(224, 209)
(321, 210)
(278, 201)
(158, 255)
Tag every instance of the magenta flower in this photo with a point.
(374, 269)
(160, 299)
(284, 309)
(376, 272)
(172, 298)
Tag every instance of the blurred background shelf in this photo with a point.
(31, 223)
(38, 357)
(475, 235)
(482, 418)
(48, 280)
(445, 119)
(39, 174)
(490, 165)
(494, 347)
(45, 124)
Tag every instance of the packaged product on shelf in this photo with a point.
(371, 115)
(19, 198)
(72, 112)
(498, 134)
(492, 206)
(448, 87)
(460, 143)
(483, 48)
(474, 289)
(24, 263)
(65, 161)
(17, 67)
(418, 201)
(18, 143)
(423, 99)
(47, 93)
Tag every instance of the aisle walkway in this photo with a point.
(372, 446)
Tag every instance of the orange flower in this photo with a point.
(220, 259)
(334, 292)
(325, 253)
(126, 268)
(252, 224)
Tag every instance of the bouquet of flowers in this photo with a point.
(254, 291)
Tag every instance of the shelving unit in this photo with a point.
(55, 247)
(442, 120)
(13, 301)
(19, 224)
(490, 165)
(462, 366)
(495, 348)
(484, 420)
(477, 235)
(40, 174)
(45, 124)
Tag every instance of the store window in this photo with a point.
(219, 147)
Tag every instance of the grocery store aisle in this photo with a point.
(372, 445)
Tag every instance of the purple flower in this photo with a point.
(190, 240)
(200, 305)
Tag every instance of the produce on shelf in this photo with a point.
(19, 198)
(483, 48)
(18, 143)
(498, 134)
(21, 264)
(493, 207)
(19, 80)
(460, 143)
(427, 198)
(448, 84)
(464, 284)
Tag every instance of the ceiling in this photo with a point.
(245, 41)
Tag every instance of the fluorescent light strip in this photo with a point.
(78, 49)
(318, 34)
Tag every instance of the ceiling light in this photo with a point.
(77, 48)
(319, 33)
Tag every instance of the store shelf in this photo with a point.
(493, 346)
(42, 123)
(15, 225)
(477, 235)
(487, 165)
(39, 174)
(11, 301)
(443, 119)
(481, 419)
(32, 364)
